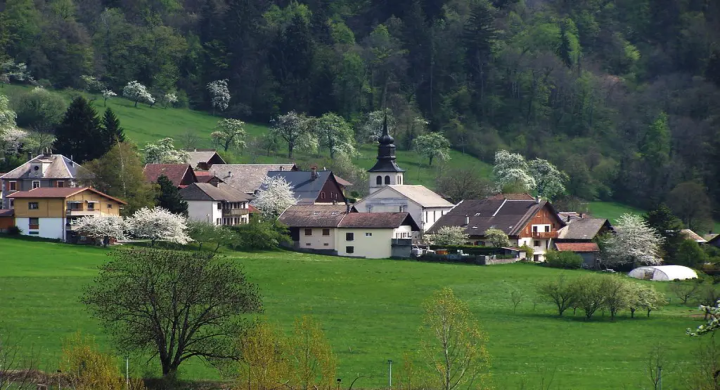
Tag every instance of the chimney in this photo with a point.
(29, 156)
(313, 173)
(229, 174)
(347, 207)
(537, 199)
(467, 220)
(567, 219)
(282, 168)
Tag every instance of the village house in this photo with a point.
(247, 177)
(44, 171)
(530, 222)
(51, 212)
(580, 235)
(313, 187)
(389, 193)
(217, 204)
(203, 159)
(336, 230)
(181, 175)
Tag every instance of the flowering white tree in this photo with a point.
(634, 242)
(549, 181)
(713, 323)
(372, 128)
(334, 134)
(101, 227)
(230, 132)
(511, 169)
(11, 139)
(431, 146)
(497, 238)
(164, 152)
(275, 195)
(169, 99)
(219, 94)
(158, 223)
(448, 235)
(293, 128)
(7, 115)
(9, 70)
(107, 94)
(138, 93)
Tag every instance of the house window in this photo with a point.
(368, 234)
(218, 221)
(547, 229)
(326, 244)
(60, 184)
(535, 229)
(13, 186)
(308, 232)
(33, 206)
(91, 206)
(378, 180)
(350, 249)
(109, 206)
(326, 232)
(35, 184)
(322, 195)
(34, 223)
(219, 206)
(399, 179)
(387, 179)
(349, 236)
(537, 243)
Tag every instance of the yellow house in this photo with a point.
(50, 212)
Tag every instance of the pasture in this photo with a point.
(371, 312)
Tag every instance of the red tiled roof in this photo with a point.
(577, 247)
(7, 213)
(174, 172)
(55, 192)
(204, 176)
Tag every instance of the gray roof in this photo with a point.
(207, 191)
(196, 157)
(305, 188)
(582, 229)
(508, 215)
(247, 177)
(60, 167)
(318, 216)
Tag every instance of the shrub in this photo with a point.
(567, 260)
(14, 231)
(261, 235)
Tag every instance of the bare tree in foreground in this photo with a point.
(453, 344)
(17, 370)
(177, 305)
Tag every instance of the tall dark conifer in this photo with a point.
(168, 197)
(80, 134)
(111, 127)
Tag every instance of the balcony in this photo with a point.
(235, 212)
(81, 212)
(545, 235)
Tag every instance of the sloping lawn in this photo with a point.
(371, 312)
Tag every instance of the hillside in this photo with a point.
(371, 312)
(623, 95)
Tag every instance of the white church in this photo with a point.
(389, 193)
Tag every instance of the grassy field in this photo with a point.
(613, 211)
(371, 312)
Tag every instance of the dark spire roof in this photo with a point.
(386, 153)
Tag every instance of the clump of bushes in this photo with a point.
(14, 231)
(566, 260)
(593, 293)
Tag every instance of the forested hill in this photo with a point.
(621, 94)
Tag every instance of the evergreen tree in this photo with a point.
(655, 147)
(79, 132)
(111, 127)
(564, 50)
(168, 197)
(668, 226)
(479, 36)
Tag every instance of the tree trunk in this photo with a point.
(136, 102)
(632, 313)
(291, 146)
(430, 163)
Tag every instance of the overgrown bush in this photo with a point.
(567, 260)
(39, 109)
(261, 235)
(14, 231)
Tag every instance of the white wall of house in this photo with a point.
(368, 243)
(316, 239)
(204, 211)
(539, 246)
(47, 227)
(403, 232)
(389, 201)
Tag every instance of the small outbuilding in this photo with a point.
(663, 272)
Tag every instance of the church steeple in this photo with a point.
(386, 171)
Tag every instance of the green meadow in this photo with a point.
(370, 310)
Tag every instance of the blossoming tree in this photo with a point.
(219, 94)
(138, 93)
(634, 242)
(158, 223)
(274, 197)
(101, 227)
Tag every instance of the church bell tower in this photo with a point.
(386, 171)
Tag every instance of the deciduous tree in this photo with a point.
(101, 227)
(448, 235)
(453, 344)
(138, 93)
(457, 184)
(689, 201)
(230, 132)
(560, 292)
(431, 146)
(497, 238)
(158, 223)
(275, 195)
(210, 233)
(164, 152)
(549, 181)
(511, 169)
(174, 305)
(634, 242)
(7, 115)
(291, 127)
(219, 95)
(334, 134)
